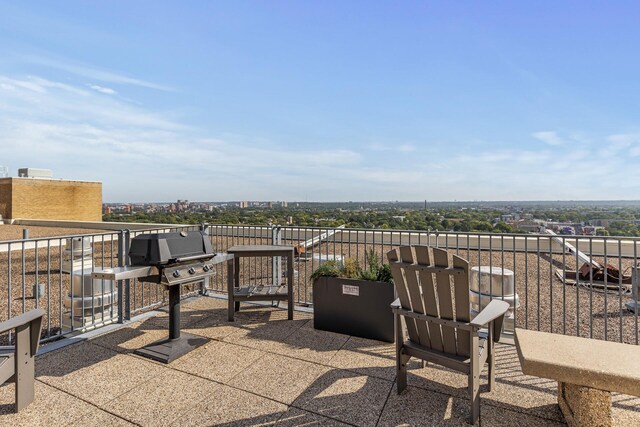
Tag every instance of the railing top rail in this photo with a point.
(106, 233)
(52, 238)
(438, 232)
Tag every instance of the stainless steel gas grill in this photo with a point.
(169, 259)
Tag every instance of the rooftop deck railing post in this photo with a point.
(276, 262)
(204, 285)
(123, 259)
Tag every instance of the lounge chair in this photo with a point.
(17, 363)
(438, 323)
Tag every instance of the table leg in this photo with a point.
(290, 285)
(230, 282)
(236, 278)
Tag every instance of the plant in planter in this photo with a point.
(355, 301)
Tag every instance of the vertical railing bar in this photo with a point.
(620, 309)
(526, 282)
(606, 291)
(24, 284)
(490, 270)
(551, 284)
(635, 278)
(9, 293)
(48, 288)
(514, 274)
(538, 280)
(564, 286)
(365, 249)
(591, 287)
(60, 255)
(36, 295)
(577, 287)
(515, 283)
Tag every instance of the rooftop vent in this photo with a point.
(35, 173)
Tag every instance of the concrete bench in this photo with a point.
(587, 371)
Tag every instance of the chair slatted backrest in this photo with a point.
(428, 284)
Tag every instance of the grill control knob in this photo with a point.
(192, 270)
(206, 268)
(176, 273)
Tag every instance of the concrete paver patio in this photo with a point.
(264, 370)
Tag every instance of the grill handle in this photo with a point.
(192, 258)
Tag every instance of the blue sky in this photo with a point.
(325, 100)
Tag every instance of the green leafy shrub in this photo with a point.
(351, 269)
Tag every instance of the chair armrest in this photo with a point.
(396, 304)
(491, 312)
(20, 320)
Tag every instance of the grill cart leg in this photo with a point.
(174, 312)
(178, 344)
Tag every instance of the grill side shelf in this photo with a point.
(125, 273)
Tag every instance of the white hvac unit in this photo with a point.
(35, 173)
(78, 255)
(489, 283)
(91, 302)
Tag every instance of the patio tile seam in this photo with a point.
(274, 399)
(324, 364)
(79, 417)
(318, 413)
(482, 401)
(385, 402)
(289, 405)
(136, 386)
(206, 398)
(517, 410)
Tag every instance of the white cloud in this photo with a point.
(146, 155)
(103, 89)
(548, 137)
(402, 148)
(94, 73)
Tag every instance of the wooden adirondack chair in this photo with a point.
(438, 323)
(17, 364)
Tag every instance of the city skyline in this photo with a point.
(324, 102)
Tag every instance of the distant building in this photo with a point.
(285, 204)
(529, 225)
(57, 199)
(182, 205)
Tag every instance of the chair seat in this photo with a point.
(437, 355)
(7, 365)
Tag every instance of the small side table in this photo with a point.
(271, 292)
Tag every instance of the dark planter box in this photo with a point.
(354, 307)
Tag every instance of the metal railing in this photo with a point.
(587, 308)
(53, 273)
(539, 262)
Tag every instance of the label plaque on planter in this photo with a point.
(350, 290)
(368, 315)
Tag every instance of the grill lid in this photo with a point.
(160, 249)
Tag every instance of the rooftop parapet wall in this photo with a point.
(50, 199)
